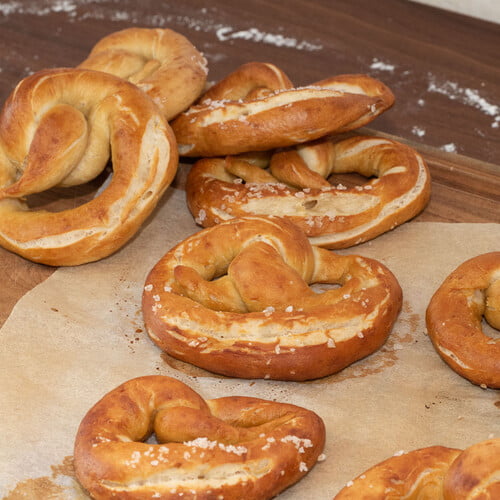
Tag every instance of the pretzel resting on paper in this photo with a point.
(231, 447)
(239, 299)
(59, 128)
(432, 472)
(161, 62)
(256, 108)
(293, 183)
(454, 319)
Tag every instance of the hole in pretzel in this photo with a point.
(348, 180)
(151, 439)
(490, 331)
(323, 287)
(58, 199)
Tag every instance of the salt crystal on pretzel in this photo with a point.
(263, 112)
(231, 447)
(237, 299)
(295, 186)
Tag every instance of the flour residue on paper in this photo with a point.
(61, 483)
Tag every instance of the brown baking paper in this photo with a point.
(80, 334)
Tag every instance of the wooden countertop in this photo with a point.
(443, 69)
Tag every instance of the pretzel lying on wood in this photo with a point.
(454, 316)
(236, 299)
(161, 62)
(243, 113)
(231, 447)
(295, 186)
(433, 472)
(58, 128)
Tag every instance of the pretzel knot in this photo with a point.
(231, 447)
(454, 319)
(161, 62)
(256, 108)
(295, 186)
(239, 299)
(433, 472)
(57, 129)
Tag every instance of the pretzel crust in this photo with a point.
(231, 447)
(454, 315)
(433, 472)
(295, 187)
(233, 118)
(161, 62)
(57, 129)
(235, 299)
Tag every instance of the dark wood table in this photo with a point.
(443, 69)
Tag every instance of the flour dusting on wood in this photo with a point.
(465, 95)
(205, 23)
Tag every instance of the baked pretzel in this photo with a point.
(236, 299)
(454, 316)
(242, 114)
(57, 129)
(231, 447)
(433, 472)
(295, 186)
(161, 62)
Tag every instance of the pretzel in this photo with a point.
(454, 317)
(235, 299)
(231, 447)
(242, 114)
(57, 129)
(295, 186)
(161, 62)
(433, 472)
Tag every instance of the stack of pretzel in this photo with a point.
(255, 111)
(60, 127)
(271, 149)
(237, 297)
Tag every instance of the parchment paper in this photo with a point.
(80, 334)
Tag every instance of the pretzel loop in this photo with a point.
(161, 62)
(235, 447)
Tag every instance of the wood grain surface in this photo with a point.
(443, 69)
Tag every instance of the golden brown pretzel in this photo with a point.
(57, 129)
(295, 187)
(432, 473)
(250, 81)
(232, 447)
(161, 62)
(235, 299)
(454, 315)
(235, 117)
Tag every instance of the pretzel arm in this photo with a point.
(52, 156)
